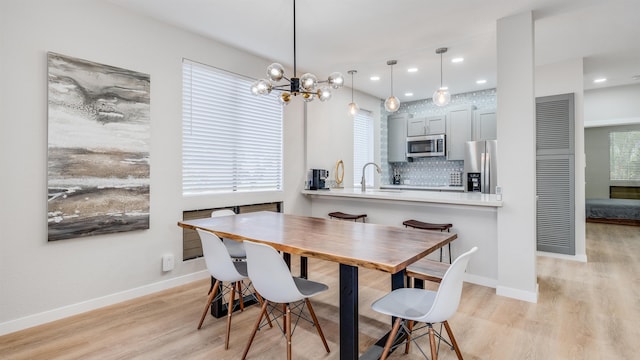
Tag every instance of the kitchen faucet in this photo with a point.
(363, 183)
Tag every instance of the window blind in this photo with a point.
(362, 146)
(624, 155)
(231, 139)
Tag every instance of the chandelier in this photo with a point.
(308, 85)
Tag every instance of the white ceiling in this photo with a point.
(340, 35)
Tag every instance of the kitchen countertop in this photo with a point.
(441, 197)
(418, 187)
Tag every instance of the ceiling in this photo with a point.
(339, 35)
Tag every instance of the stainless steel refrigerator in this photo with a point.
(480, 166)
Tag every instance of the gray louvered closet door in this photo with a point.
(555, 174)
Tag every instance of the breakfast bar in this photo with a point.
(473, 215)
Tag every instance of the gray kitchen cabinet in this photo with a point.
(459, 131)
(397, 137)
(485, 125)
(426, 126)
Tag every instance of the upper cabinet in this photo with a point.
(431, 125)
(459, 131)
(397, 137)
(484, 125)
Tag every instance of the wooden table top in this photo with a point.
(381, 247)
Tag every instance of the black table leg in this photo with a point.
(303, 267)
(348, 312)
(375, 351)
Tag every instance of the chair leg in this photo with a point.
(440, 254)
(287, 318)
(241, 297)
(317, 324)
(450, 253)
(410, 327)
(263, 311)
(232, 298)
(432, 343)
(392, 335)
(212, 295)
(453, 340)
(261, 301)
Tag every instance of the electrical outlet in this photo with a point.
(168, 262)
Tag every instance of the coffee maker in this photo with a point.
(316, 178)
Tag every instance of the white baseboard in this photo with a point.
(480, 280)
(518, 294)
(81, 307)
(578, 257)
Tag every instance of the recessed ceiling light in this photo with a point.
(481, 81)
(408, 94)
(374, 78)
(599, 80)
(457, 60)
(411, 70)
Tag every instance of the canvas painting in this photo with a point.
(98, 148)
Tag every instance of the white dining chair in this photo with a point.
(235, 248)
(223, 269)
(271, 278)
(411, 305)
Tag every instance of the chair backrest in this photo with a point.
(269, 274)
(217, 258)
(223, 212)
(450, 290)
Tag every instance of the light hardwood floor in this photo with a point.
(585, 311)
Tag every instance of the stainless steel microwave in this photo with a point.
(428, 145)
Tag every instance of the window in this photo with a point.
(231, 139)
(362, 146)
(624, 159)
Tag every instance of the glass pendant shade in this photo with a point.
(324, 93)
(441, 97)
(353, 109)
(392, 104)
(308, 82)
(275, 72)
(336, 80)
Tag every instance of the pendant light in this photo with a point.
(442, 96)
(353, 107)
(308, 85)
(392, 104)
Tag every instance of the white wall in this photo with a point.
(517, 275)
(41, 281)
(330, 132)
(617, 105)
(563, 78)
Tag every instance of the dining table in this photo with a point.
(352, 245)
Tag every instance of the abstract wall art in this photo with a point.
(98, 148)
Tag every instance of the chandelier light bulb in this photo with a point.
(308, 97)
(308, 82)
(275, 72)
(285, 97)
(324, 93)
(336, 80)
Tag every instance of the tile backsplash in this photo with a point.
(430, 171)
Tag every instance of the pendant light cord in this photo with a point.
(294, 39)
(440, 70)
(391, 80)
